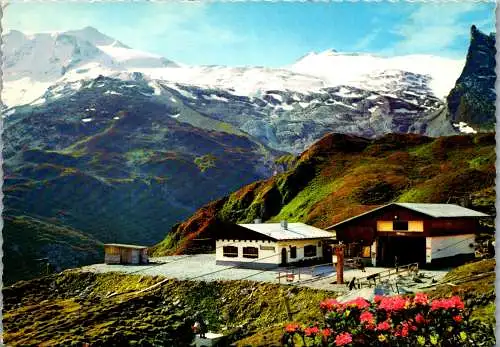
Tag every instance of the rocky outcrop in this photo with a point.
(472, 101)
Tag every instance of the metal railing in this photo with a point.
(373, 278)
(293, 273)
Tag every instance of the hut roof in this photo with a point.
(432, 210)
(122, 245)
(293, 231)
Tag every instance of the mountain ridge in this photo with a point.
(97, 40)
(341, 176)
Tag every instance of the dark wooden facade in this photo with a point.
(399, 246)
(363, 229)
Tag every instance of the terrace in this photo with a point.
(202, 267)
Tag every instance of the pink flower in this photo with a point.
(405, 329)
(458, 318)
(366, 317)
(326, 332)
(311, 331)
(329, 304)
(419, 318)
(377, 299)
(292, 327)
(395, 303)
(457, 302)
(343, 339)
(384, 326)
(421, 299)
(446, 304)
(359, 303)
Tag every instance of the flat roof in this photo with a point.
(433, 210)
(294, 231)
(122, 245)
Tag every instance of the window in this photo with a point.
(112, 250)
(230, 251)
(250, 252)
(366, 252)
(400, 225)
(293, 252)
(310, 251)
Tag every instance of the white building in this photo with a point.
(268, 245)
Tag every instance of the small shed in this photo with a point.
(116, 253)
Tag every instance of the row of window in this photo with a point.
(232, 252)
(253, 252)
(309, 251)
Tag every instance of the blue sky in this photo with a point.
(265, 33)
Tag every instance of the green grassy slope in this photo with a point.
(27, 239)
(77, 307)
(110, 309)
(341, 176)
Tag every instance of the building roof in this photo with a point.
(121, 245)
(432, 210)
(294, 231)
(442, 210)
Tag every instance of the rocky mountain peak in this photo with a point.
(472, 99)
(94, 36)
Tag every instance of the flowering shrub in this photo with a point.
(387, 321)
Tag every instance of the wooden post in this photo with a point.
(287, 306)
(339, 252)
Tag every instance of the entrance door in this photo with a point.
(135, 256)
(327, 252)
(125, 256)
(407, 250)
(283, 256)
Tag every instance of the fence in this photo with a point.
(373, 278)
(290, 274)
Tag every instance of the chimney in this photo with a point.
(257, 221)
(284, 224)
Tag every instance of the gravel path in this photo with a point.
(202, 267)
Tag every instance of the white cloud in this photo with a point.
(167, 28)
(434, 26)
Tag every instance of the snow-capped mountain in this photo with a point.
(369, 71)
(286, 108)
(33, 62)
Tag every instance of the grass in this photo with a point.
(28, 239)
(139, 156)
(110, 308)
(318, 189)
(338, 178)
(205, 162)
(475, 282)
(240, 308)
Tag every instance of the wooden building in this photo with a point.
(404, 233)
(269, 245)
(115, 253)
